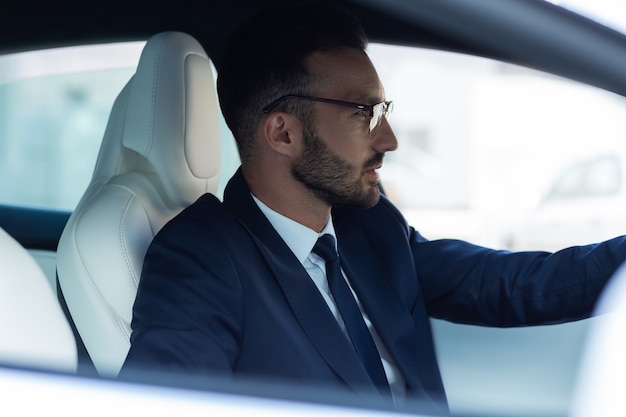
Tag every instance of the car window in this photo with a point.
(54, 106)
(481, 143)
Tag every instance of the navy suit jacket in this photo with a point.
(222, 294)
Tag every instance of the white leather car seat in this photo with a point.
(160, 152)
(33, 329)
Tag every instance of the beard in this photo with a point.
(331, 178)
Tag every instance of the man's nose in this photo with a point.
(384, 139)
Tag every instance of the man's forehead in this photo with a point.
(346, 72)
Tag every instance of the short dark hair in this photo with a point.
(264, 60)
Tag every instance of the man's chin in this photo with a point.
(370, 199)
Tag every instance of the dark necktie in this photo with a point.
(349, 309)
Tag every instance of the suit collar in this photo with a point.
(299, 238)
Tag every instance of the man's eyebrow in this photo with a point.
(369, 100)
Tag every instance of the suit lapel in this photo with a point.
(379, 298)
(303, 297)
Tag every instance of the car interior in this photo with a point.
(68, 278)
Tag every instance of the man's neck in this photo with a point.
(291, 199)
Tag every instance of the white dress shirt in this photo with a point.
(300, 239)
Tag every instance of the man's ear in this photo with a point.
(283, 133)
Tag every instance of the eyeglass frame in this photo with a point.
(387, 107)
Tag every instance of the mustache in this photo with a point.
(375, 160)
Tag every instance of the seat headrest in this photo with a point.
(172, 116)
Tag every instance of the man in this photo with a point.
(244, 289)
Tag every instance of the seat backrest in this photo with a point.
(33, 329)
(160, 152)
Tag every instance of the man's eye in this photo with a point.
(362, 113)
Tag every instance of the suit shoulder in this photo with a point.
(206, 203)
(206, 213)
(387, 208)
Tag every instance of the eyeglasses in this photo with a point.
(374, 111)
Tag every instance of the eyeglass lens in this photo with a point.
(379, 110)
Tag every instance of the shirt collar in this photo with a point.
(299, 238)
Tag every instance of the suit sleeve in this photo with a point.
(470, 284)
(187, 315)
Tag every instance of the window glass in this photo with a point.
(54, 106)
(482, 142)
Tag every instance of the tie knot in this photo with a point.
(325, 248)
